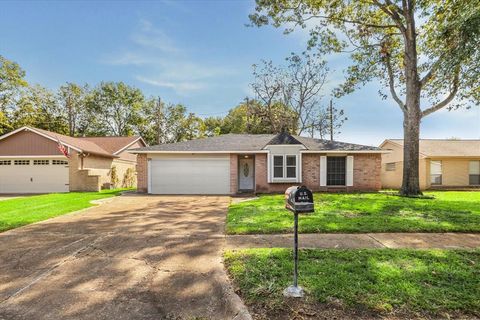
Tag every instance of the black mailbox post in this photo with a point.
(299, 200)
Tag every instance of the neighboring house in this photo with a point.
(263, 163)
(31, 161)
(442, 163)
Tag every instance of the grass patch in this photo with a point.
(18, 212)
(448, 211)
(407, 282)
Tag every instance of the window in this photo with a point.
(390, 166)
(436, 172)
(59, 162)
(336, 171)
(284, 166)
(278, 166)
(21, 162)
(291, 166)
(474, 173)
(41, 162)
(5, 162)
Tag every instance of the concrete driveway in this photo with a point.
(134, 257)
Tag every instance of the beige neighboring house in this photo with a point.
(443, 164)
(257, 163)
(31, 161)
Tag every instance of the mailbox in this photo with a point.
(299, 200)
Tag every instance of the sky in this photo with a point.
(198, 53)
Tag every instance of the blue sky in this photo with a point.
(198, 53)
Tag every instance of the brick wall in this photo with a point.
(142, 173)
(81, 179)
(233, 173)
(366, 174)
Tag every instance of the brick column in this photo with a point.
(142, 173)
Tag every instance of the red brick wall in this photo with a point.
(142, 173)
(233, 173)
(366, 174)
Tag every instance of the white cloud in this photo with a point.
(161, 62)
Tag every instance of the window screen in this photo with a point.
(291, 166)
(336, 171)
(474, 173)
(390, 166)
(278, 166)
(435, 172)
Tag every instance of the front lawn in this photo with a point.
(347, 284)
(18, 212)
(361, 212)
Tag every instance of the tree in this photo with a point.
(73, 102)
(327, 122)
(116, 107)
(424, 51)
(12, 83)
(38, 107)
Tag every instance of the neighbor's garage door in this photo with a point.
(33, 175)
(190, 175)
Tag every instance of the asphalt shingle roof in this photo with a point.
(253, 142)
(446, 147)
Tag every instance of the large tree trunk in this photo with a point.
(411, 136)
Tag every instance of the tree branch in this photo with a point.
(393, 14)
(447, 100)
(391, 83)
(431, 72)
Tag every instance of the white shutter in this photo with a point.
(349, 171)
(269, 168)
(149, 176)
(323, 171)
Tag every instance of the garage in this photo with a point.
(33, 175)
(189, 175)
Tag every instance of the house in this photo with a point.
(256, 163)
(31, 161)
(442, 163)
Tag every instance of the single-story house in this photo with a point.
(256, 163)
(442, 163)
(39, 161)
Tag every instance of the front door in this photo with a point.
(246, 174)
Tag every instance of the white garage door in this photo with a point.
(190, 175)
(34, 175)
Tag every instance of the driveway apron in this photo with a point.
(134, 257)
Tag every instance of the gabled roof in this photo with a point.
(444, 147)
(103, 146)
(253, 143)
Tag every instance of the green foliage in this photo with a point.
(362, 212)
(406, 283)
(129, 179)
(114, 180)
(18, 212)
(72, 99)
(11, 82)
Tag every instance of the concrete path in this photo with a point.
(368, 240)
(134, 257)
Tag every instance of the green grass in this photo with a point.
(383, 280)
(18, 212)
(361, 212)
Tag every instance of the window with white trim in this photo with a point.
(474, 173)
(5, 162)
(21, 162)
(436, 172)
(41, 162)
(285, 167)
(59, 162)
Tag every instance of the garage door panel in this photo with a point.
(33, 178)
(190, 176)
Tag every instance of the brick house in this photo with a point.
(443, 164)
(31, 161)
(257, 163)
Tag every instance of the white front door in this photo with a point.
(246, 174)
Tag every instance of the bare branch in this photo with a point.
(431, 72)
(391, 83)
(447, 100)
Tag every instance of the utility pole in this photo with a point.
(331, 119)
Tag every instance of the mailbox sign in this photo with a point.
(299, 200)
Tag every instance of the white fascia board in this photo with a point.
(128, 145)
(345, 151)
(32, 156)
(194, 152)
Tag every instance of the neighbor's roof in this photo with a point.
(104, 146)
(253, 142)
(446, 147)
